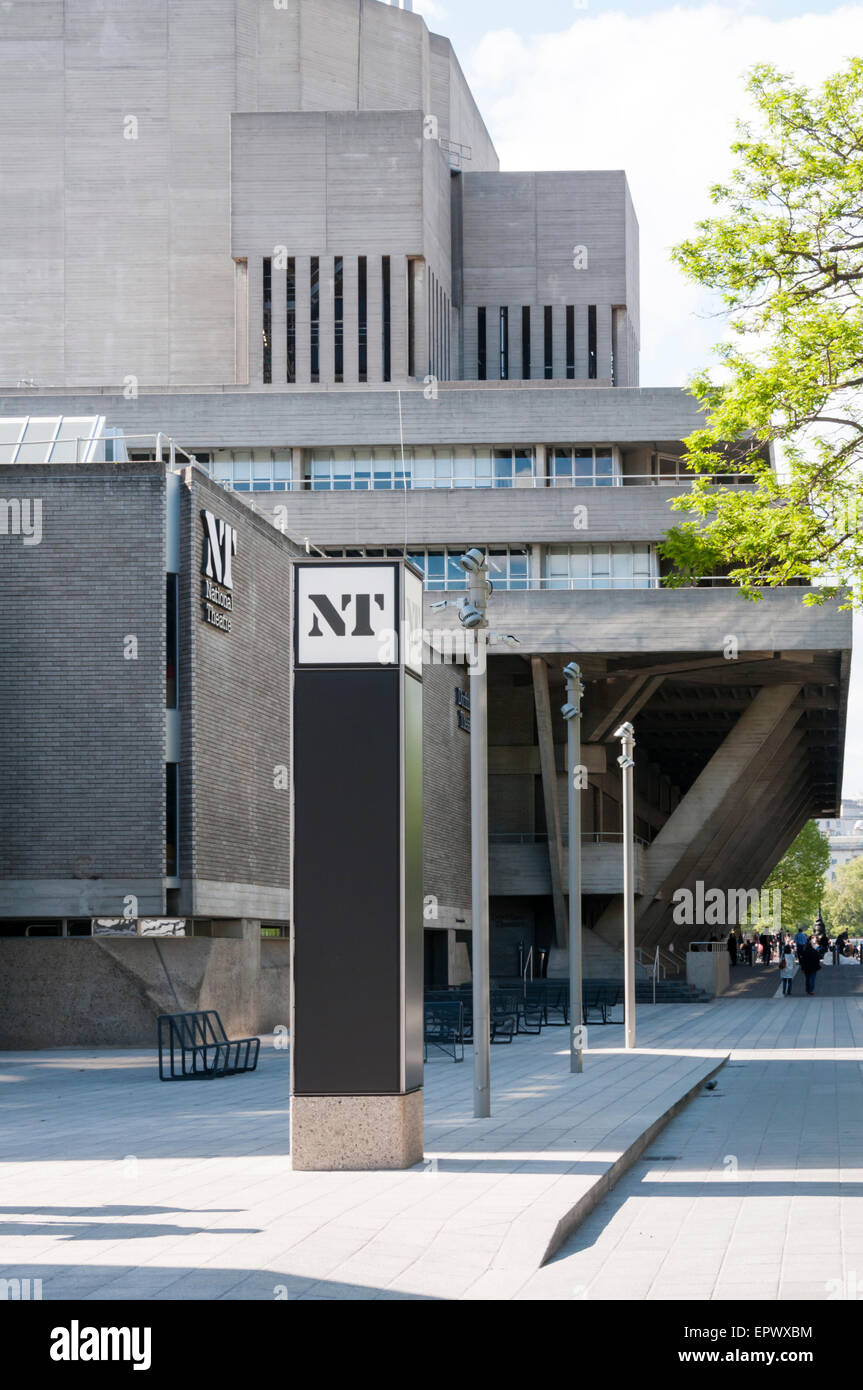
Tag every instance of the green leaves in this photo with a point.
(799, 876)
(785, 252)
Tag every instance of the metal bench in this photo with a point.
(444, 1028)
(194, 1046)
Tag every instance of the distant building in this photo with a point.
(845, 834)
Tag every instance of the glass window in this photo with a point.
(242, 473)
(604, 468)
(435, 570)
(481, 459)
(455, 575)
(364, 463)
(262, 471)
(463, 472)
(321, 471)
(503, 467)
(422, 470)
(283, 468)
(560, 465)
(524, 463)
(583, 465)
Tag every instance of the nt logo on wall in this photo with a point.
(219, 549)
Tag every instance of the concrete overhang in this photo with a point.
(646, 621)
(463, 412)
(488, 516)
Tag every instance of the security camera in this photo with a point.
(436, 607)
(571, 671)
(470, 616)
(626, 762)
(625, 731)
(569, 711)
(473, 561)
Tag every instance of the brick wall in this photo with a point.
(81, 758)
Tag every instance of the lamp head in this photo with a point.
(473, 560)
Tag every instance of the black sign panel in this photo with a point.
(357, 770)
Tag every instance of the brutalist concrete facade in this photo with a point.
(312, 273)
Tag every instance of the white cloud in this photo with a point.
(657, 96)
(429, 9)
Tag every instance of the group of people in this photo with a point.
(806, 949)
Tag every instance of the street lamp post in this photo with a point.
(572, 714)
(626, 762)
(472, 616)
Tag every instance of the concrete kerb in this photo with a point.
(606, 1181)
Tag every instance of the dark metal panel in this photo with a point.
(347, 910)
(413, 860)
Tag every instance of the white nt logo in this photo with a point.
(220, 546)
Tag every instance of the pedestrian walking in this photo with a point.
(800, 941)
(786, 968)
(810, 964)
(766, 945)
(732, 947)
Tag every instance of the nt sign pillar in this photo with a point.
(357, 1036)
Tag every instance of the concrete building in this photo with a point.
(282, 240)
(845, 833)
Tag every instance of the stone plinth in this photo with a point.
(709, 971)
(351, 1133)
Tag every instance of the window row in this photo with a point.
(508, 566)
(495, 362)
(625, 566)
(318, 370)
(461, 467)
(619, 566)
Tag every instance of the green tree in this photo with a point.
(843, 899)
(799, 876)
(785, 252)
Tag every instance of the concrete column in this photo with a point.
(256, 319)
(419, 273)
(303, 272)
(537, 342)
(470, 342)
(279, 320)
(297, 466)
(559, 342)
(603, 340)
(581, 342)
(399, 318)
(241, 322)
(327, 330)
(351, 339)
(549, 789)
(375, 317)
(514, 342)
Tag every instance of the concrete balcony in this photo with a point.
(489, 516)
(518, 866)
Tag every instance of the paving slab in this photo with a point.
(117, 1186)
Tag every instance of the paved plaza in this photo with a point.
(117, 1186)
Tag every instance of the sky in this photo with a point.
(654, 89)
